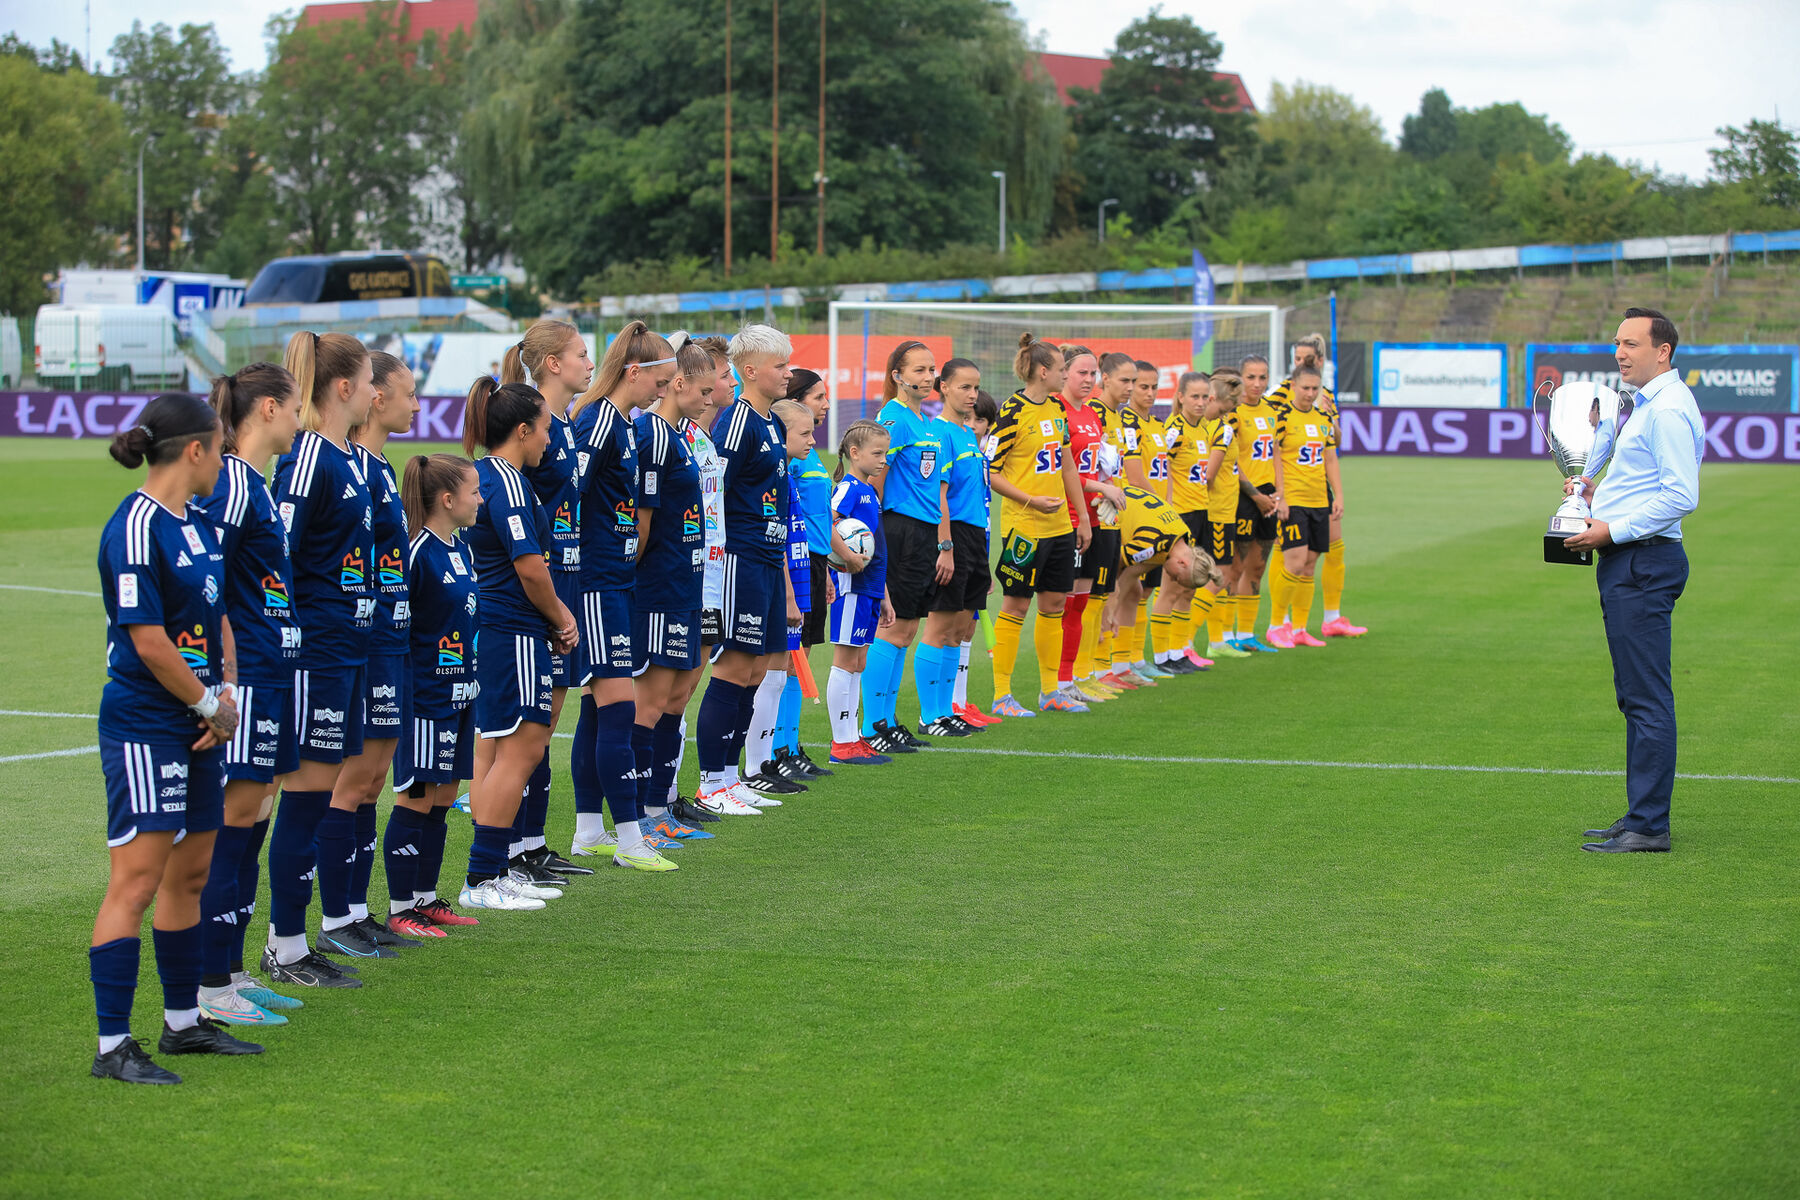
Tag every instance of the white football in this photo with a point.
(855, 535)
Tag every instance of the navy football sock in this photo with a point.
(431, 850)
(335, 842)
(292, 859)
(249, 874)
(219, 910)
(364, 866)
(664, 760)
(487, 853)
(643, 752)
(616, 759)
(401, 850)
(584, 773)
(178, 963)
(716, 723)
(113, 967)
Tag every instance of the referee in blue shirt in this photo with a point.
(1653, 483)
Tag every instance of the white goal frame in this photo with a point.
(1275, 314)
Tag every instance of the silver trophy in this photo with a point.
(1575, 413)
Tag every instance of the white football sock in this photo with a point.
(590, 828)
(962, 675)
(759, 745)
(359, 912)
(843, 690)
(181, 1018)
(630, 836)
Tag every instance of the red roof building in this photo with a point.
(1065, 70)
(1079, 71)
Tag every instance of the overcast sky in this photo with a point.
(1647, 79)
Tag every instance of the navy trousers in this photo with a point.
(1638, 588)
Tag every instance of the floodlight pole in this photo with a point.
(142, 146)
(1104, 205)
(1001, 176)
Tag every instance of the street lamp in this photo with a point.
(1104, 204)
(142, 146)
(1001, 176)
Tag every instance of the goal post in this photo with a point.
(1176, 337)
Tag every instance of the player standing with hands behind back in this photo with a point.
(1636, 529)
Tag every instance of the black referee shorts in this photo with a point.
(911, 564)
(968, 588)
(812, 628)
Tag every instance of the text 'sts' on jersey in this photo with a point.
(1254, 427)
(258, 596)
(511, 524)
(393, 613)
(557, 482)
(324, 501)
(1030, 439)
(1302, 438)
(607, 463)
(669, 574)
(1149, 526)
(163, 569)
(968, 471)
(915, 462)
(854, 498)
(445, 609)
(1188, 452)
(755, 483)
(1153, 447)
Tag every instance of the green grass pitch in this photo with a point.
(1072, 960)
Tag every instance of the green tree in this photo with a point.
(59, 58)
(356, 116)
(1162, 122)
(173, 88)
(1593, 199)
(632, 156)
(1761, 155)
(1431, 132)
(61, 149)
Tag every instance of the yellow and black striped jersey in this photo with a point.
(1148, 527)
(1254, 427)
(1302, 438)
(1152, 446)
(1113, 424)
(1221, 489)
(1188, 449)
(1030, 439)
(1326, 403)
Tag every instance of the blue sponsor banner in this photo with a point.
(1722, 378)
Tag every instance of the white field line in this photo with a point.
(22, 712)
(25, 587)
(1365, 766)
(1227, 762)
(78, 750)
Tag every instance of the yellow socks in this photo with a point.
(1007, 631)
(1280, 586)
(1302, 600)
(1088, 662)
(1047, 633)
(1331, 574)
(1199, 617)
(1246, 614)
(1123, 652)
(1159, 634)
(1223, 617)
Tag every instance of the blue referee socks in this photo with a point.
(787, 722)
(928, 678)
(292, 858)
(880, 679)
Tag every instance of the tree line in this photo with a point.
(586, 139)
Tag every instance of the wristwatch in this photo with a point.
(943, 546)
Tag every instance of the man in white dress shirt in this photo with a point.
(1654, 482)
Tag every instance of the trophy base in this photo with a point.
(1556, 550)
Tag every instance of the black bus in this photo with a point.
(353, 275)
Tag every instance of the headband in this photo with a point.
(655, 362)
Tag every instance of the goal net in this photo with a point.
(1176, 337)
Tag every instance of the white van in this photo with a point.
(12, 354)
(107, 347)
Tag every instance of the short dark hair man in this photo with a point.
(1653, 482)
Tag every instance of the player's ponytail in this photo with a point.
(164, 429)
(544, 339)
(860, 434)
(636, 345)
(495, 410)
(1227, 386)
(234, 396)
(316, 361)
(425, 480)
(1033, 356)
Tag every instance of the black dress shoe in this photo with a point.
(1613, 830)
(205, 1036)
(1626, 842)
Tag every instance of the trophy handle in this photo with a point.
(1536, 396)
